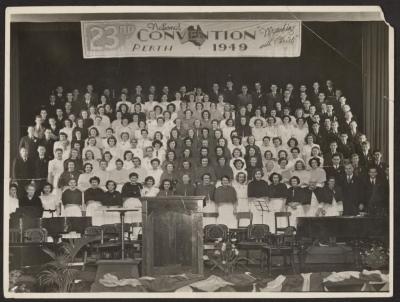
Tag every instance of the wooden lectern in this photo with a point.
(172, 235)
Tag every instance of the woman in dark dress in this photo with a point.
(258, 193)
(166, 189)
(277, 198)
(226, 199)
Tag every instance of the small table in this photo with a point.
(122, 212)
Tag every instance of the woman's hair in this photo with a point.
(272, 176)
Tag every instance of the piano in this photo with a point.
(343, 227)
(348, 229)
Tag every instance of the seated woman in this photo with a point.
(119, 175)
(277, 199)
(166, 188)
(226, 200)
(72, 200)
(112, 199)
(301, 172)
(149, 188)
(205, 188)
(50, 202)
(311, 201)
(67, 175)
(13, 198)
(30, 204)
(294, 200)
(131, 191)
(84, 178)
(240, 186)
(94, 197)
(317, 174)
(257, 193)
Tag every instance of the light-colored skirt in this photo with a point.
(226, 215)
(133, 216)
(297, 212)
(47, 214)
(94, 209)
(72, 210)
(210, 207)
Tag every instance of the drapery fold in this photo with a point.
(376, 85)
(14, 127)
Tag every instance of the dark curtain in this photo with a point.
(376, 84)
(14, 95)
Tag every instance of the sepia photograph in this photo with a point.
(198, 152)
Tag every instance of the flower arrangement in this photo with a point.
(226, 255)
(375, 256)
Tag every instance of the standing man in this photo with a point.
(272, 97)
(244, 98)
(22, 169)
(259, 98)
(230, 93)
(352, 192)
(29, 142)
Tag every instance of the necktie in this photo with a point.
(348, 179)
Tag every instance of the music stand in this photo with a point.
(122, 212)
(262, 206)
(122, 268)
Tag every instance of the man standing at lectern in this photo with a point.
(352, 188)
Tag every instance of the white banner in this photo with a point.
(195, 38)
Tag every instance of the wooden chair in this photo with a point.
(111, 244)
(257, 236)
(280, 215)
(244, 215)
(282, 245)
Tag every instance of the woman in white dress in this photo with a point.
(240, 185)
(51, 203)
(315, 153)
(300, 131)
(88, 157)
(55, 169)
(301, 172)
(13, 198)
(285, 131)
(258, 132)
(317, 174)
(149, 188)
(84, 178)
(128, 157)
(306, 151)
(271, 130)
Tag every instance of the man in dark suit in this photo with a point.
(258, 95)
(314, 93)
(22, 169)
(287, 100)
(52, 105)
(329, 90)
(333, 150)
(244, 97)
(214, 93)
(378, 163)
(359, 170)
(345, 147)
(86, 102)
(41, 165)
(319, 139)
(272, 97)
(48, 143)
(376, 202)
(94, 98)
(352, 188)
(334, 167)
(230, 93)
(365, 154)
(29, 141)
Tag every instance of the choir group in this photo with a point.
(297, 150)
